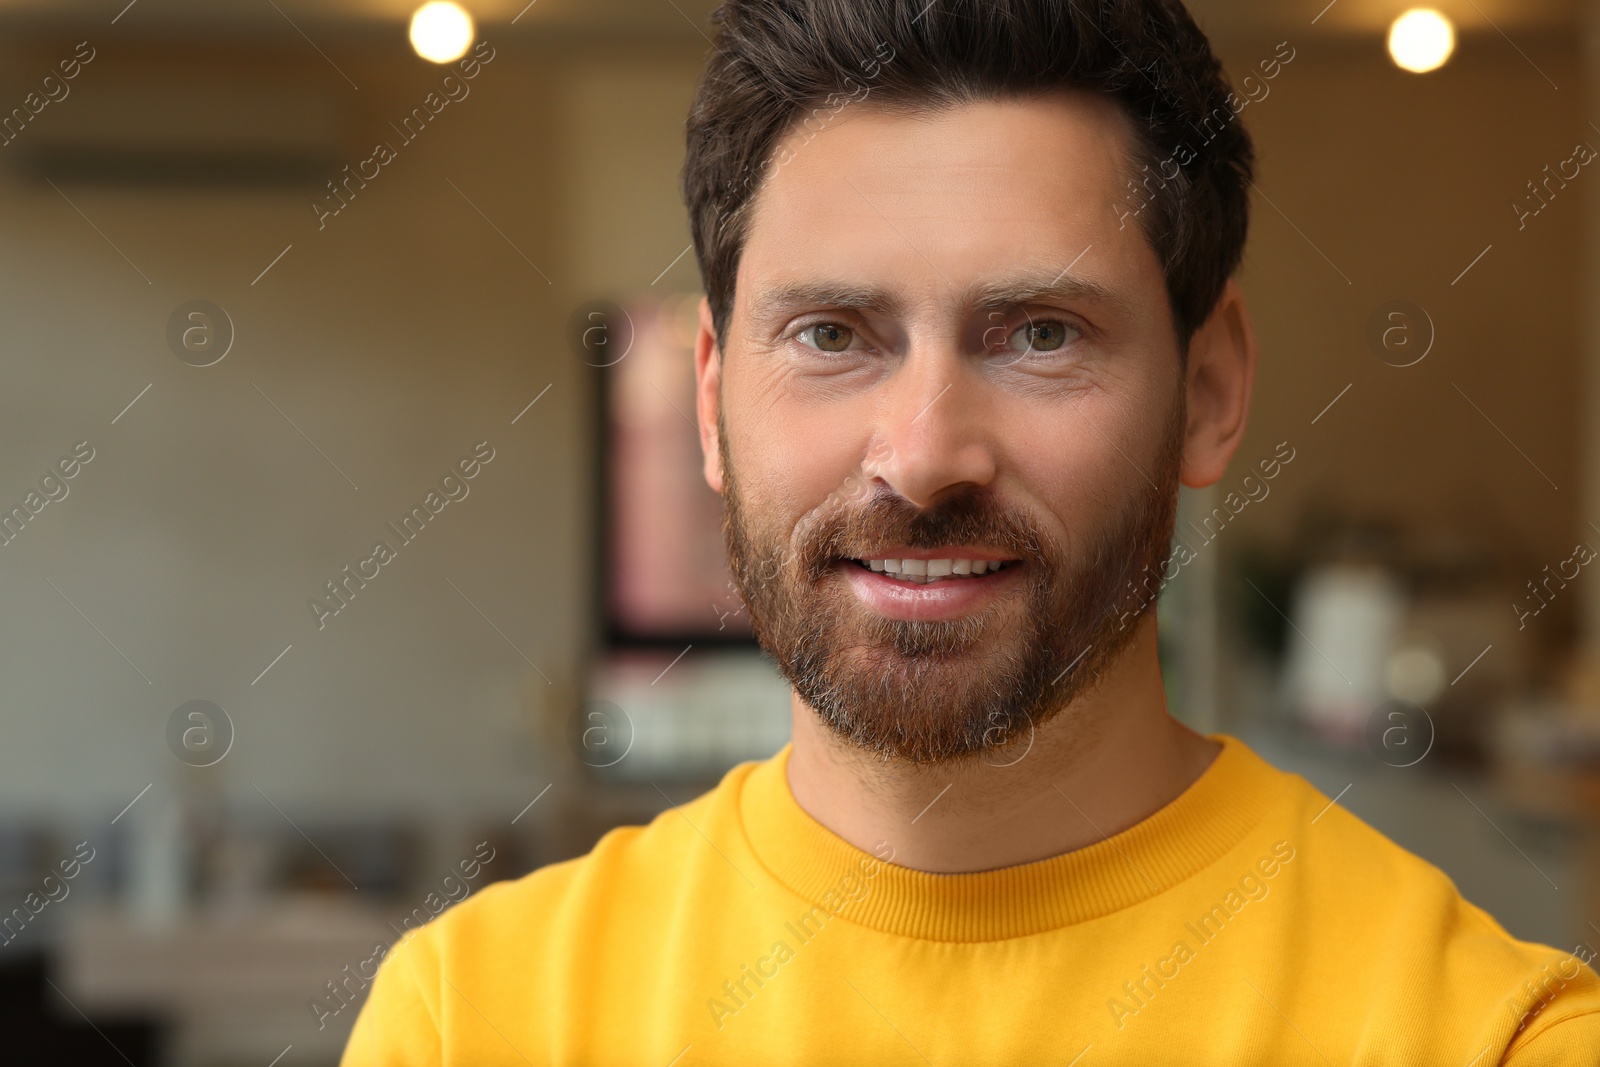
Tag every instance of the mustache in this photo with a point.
(975, 516)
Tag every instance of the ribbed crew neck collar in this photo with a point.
(1143, 861)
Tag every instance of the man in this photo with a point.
(970, 322)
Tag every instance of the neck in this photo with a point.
(1110, 759)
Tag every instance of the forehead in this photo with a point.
(937, 201)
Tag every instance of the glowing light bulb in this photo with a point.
(441, 31)
(1421, 40)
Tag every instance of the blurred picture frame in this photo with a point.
(662, 572)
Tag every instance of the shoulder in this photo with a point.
(629, 865)
(633, 875)
(525, 949)
(1344, 862)
(1399, 919)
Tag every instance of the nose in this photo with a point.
(934, 429)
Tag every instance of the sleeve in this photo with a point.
(1569, 1041)
(1566, 1029)
(399, 1024)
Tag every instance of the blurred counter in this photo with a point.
(237, 986)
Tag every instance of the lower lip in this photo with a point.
(950, 598)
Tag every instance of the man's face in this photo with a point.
(945, 356)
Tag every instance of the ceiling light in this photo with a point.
(1421, 40)
(441, 31)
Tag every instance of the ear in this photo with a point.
(707, 390)
(1220, 378)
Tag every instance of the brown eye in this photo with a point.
(830, 336)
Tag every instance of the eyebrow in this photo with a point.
(983, 296)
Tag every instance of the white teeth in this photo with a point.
(922, 571)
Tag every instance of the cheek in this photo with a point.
(794, 461)
(1077, 465)
(1069, 495)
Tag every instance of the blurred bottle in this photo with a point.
(158, 861)
(1347, 616)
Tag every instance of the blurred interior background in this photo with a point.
(240, 750)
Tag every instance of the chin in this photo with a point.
(921, 694)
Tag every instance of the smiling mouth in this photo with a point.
(926, 571)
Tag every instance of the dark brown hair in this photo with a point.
(779, 63)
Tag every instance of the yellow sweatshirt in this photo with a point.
(1249, 921)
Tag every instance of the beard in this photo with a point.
(946, 690)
